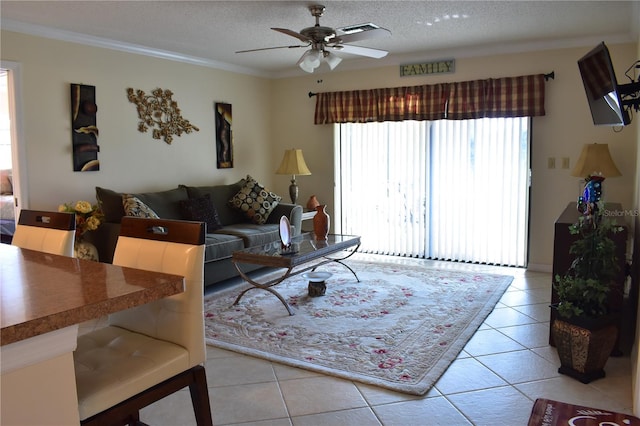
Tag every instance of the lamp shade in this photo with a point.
(595, 160)
(332, 60)
(293, 163)
(313, 58)
(310, 60)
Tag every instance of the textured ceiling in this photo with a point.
(210, 32)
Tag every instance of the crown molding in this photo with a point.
(72, 37)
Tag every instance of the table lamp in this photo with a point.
(293, 164)
(594, 165)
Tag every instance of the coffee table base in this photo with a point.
(288, 273)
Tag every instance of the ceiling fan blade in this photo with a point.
(292, 34)
(361, 35)
(270, 48)
(359, 50)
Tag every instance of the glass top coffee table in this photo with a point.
(305, 252)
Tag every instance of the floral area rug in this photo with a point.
(400, 327)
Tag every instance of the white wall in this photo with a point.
(270, 116)
(130, 160)
(560, 133)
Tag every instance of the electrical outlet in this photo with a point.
(565, 162)
(551, 163)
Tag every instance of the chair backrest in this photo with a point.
(50, 232)
(173, 247)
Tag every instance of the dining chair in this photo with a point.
(50, 232)
(148, 352)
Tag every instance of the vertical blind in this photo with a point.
(451, 190)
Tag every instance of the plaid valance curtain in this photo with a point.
(501, 97)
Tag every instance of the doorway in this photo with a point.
(12, 151)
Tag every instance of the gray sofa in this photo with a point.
(236, 232)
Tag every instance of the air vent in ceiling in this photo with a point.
(357, 28)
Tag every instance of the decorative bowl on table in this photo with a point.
(317, 286)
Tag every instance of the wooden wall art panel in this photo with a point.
(84, 132)
(224, 136)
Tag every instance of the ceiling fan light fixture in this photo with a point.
(310, 60)
(332, 60)
(313, 58)
(304, 64)
(306, 67)
(321, 38)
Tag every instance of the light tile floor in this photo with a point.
(494, 381)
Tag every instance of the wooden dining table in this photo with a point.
(43, 299)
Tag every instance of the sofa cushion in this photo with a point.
(201, 210)
(164, 203)
(221, 246)
(134, 207)
(253, 234)
(220, 195)
(110, 203)
(254, 201)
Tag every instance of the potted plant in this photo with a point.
(88, 218)
(585, 330)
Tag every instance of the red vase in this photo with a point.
(312, 203)
(321, 223)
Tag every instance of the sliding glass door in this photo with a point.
(450, 189)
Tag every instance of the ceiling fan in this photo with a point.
(325, 40)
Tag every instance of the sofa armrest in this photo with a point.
(292, 211)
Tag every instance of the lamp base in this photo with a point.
(293, 191)
(591, 195)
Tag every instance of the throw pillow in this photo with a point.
(201, 209)
(134, 207)
(220, 196)
(255, 201)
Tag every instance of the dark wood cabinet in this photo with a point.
(562, 261)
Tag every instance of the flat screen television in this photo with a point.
(601, 86)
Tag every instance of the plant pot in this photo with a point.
(85, 250)
(584, 346)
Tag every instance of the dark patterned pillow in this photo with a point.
(134, 207)
(201, 210)
(255, 201)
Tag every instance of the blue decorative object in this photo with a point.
(591, 195)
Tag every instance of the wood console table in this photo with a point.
(562, 260)
(43, 298)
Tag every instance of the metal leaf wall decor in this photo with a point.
(161, 113)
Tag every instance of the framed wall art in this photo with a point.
(84, 133)
(224, 136)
